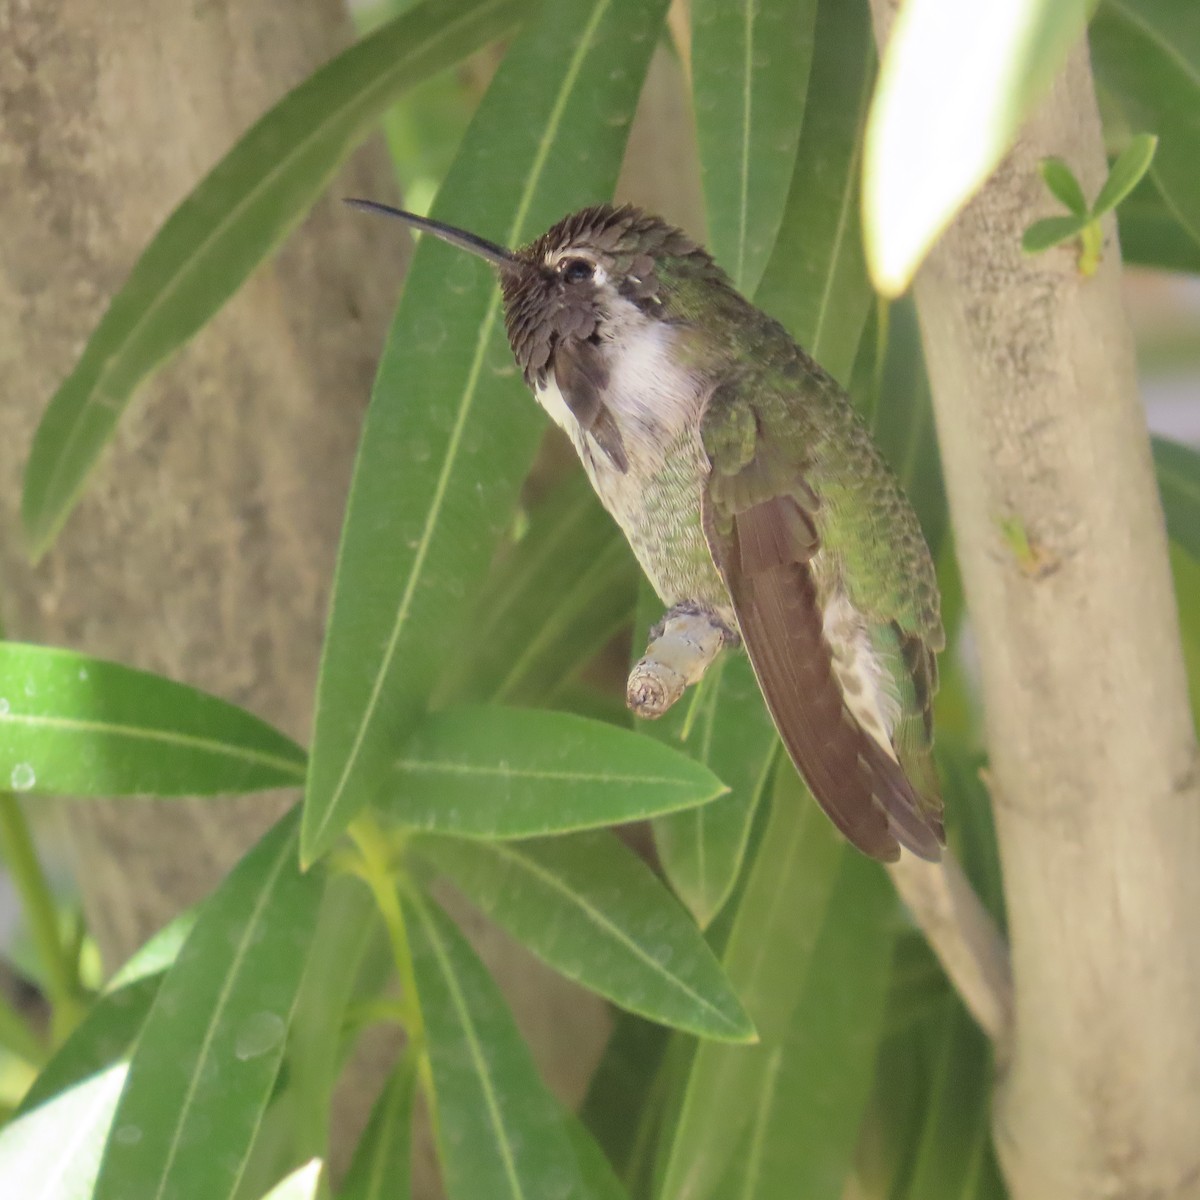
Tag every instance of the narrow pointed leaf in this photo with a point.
(553, 601)
(600, 1181)
(78, 725)
(591, 909)
(53, 1152)
(303, 1183)
(108, 1031)
(809, 953)
(1063, 185)
(1132, 164)
(451, 432)
(750, 65)
(1051, 231)
(500, 1132)
(1146, 56)
(211, 1047)
(1178, 470)
(1152, 235)
(382, 1161)
(227, 226)
(511, 773)
(925, 154)
(816, 280)
(701, 849)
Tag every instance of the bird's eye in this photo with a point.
(577, 270)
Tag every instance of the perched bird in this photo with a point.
(753, 497)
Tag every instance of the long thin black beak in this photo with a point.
(448, 233)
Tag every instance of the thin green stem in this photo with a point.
(58, 969)
(375, 868)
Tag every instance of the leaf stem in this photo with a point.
(59, 974)
(375, 867)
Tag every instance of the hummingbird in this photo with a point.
(752, 495)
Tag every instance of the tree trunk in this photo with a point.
(1093, 757)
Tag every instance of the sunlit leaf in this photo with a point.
(302, 1184)
(750, 65)
(53, 1152)
(74, 724)
(596, 913)
(451, 431)
(1132, 164)
(955, 83)
(510, 773)
(227, 226)
(1050, 231)
(1061, 181)
(211, 1046)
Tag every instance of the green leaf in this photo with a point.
(701, 849)
(1132, 164)
(499, 1131)
(925, 153)
(1063, 185)
(955, 1140)
(816, 281)
(381, 1164)
(1051, 231)
(1151, 233)
(227, 226)
(211, 1047)
(599, 1179)
(809, 953)
(451, 431)
(550, 604)
(81, 726)
(53, 1152)
(750, 65)
(1146, 56)
(302, 1184)
(591, 909)
(1178, 470)
(513, 773)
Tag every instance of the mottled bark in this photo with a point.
(1093, 758)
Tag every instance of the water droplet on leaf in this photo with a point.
(22, 777)
(259, 1034)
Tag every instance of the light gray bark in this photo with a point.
(1093, 757)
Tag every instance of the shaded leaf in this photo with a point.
(924, 156)
(750, 66)
(1063, 185)
(227, 226)
(1146, 56)
(1152, 235)
(600, 1181)
(510, 773)
(809, 953)
(211, 1046)
(382, 1161)
(499, 1131)
(816, 280)
(450, 432)
(74, 724)
(701, 849)
(1050, 231)
(591, 909)
(1178, 470)
(1132, 164)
